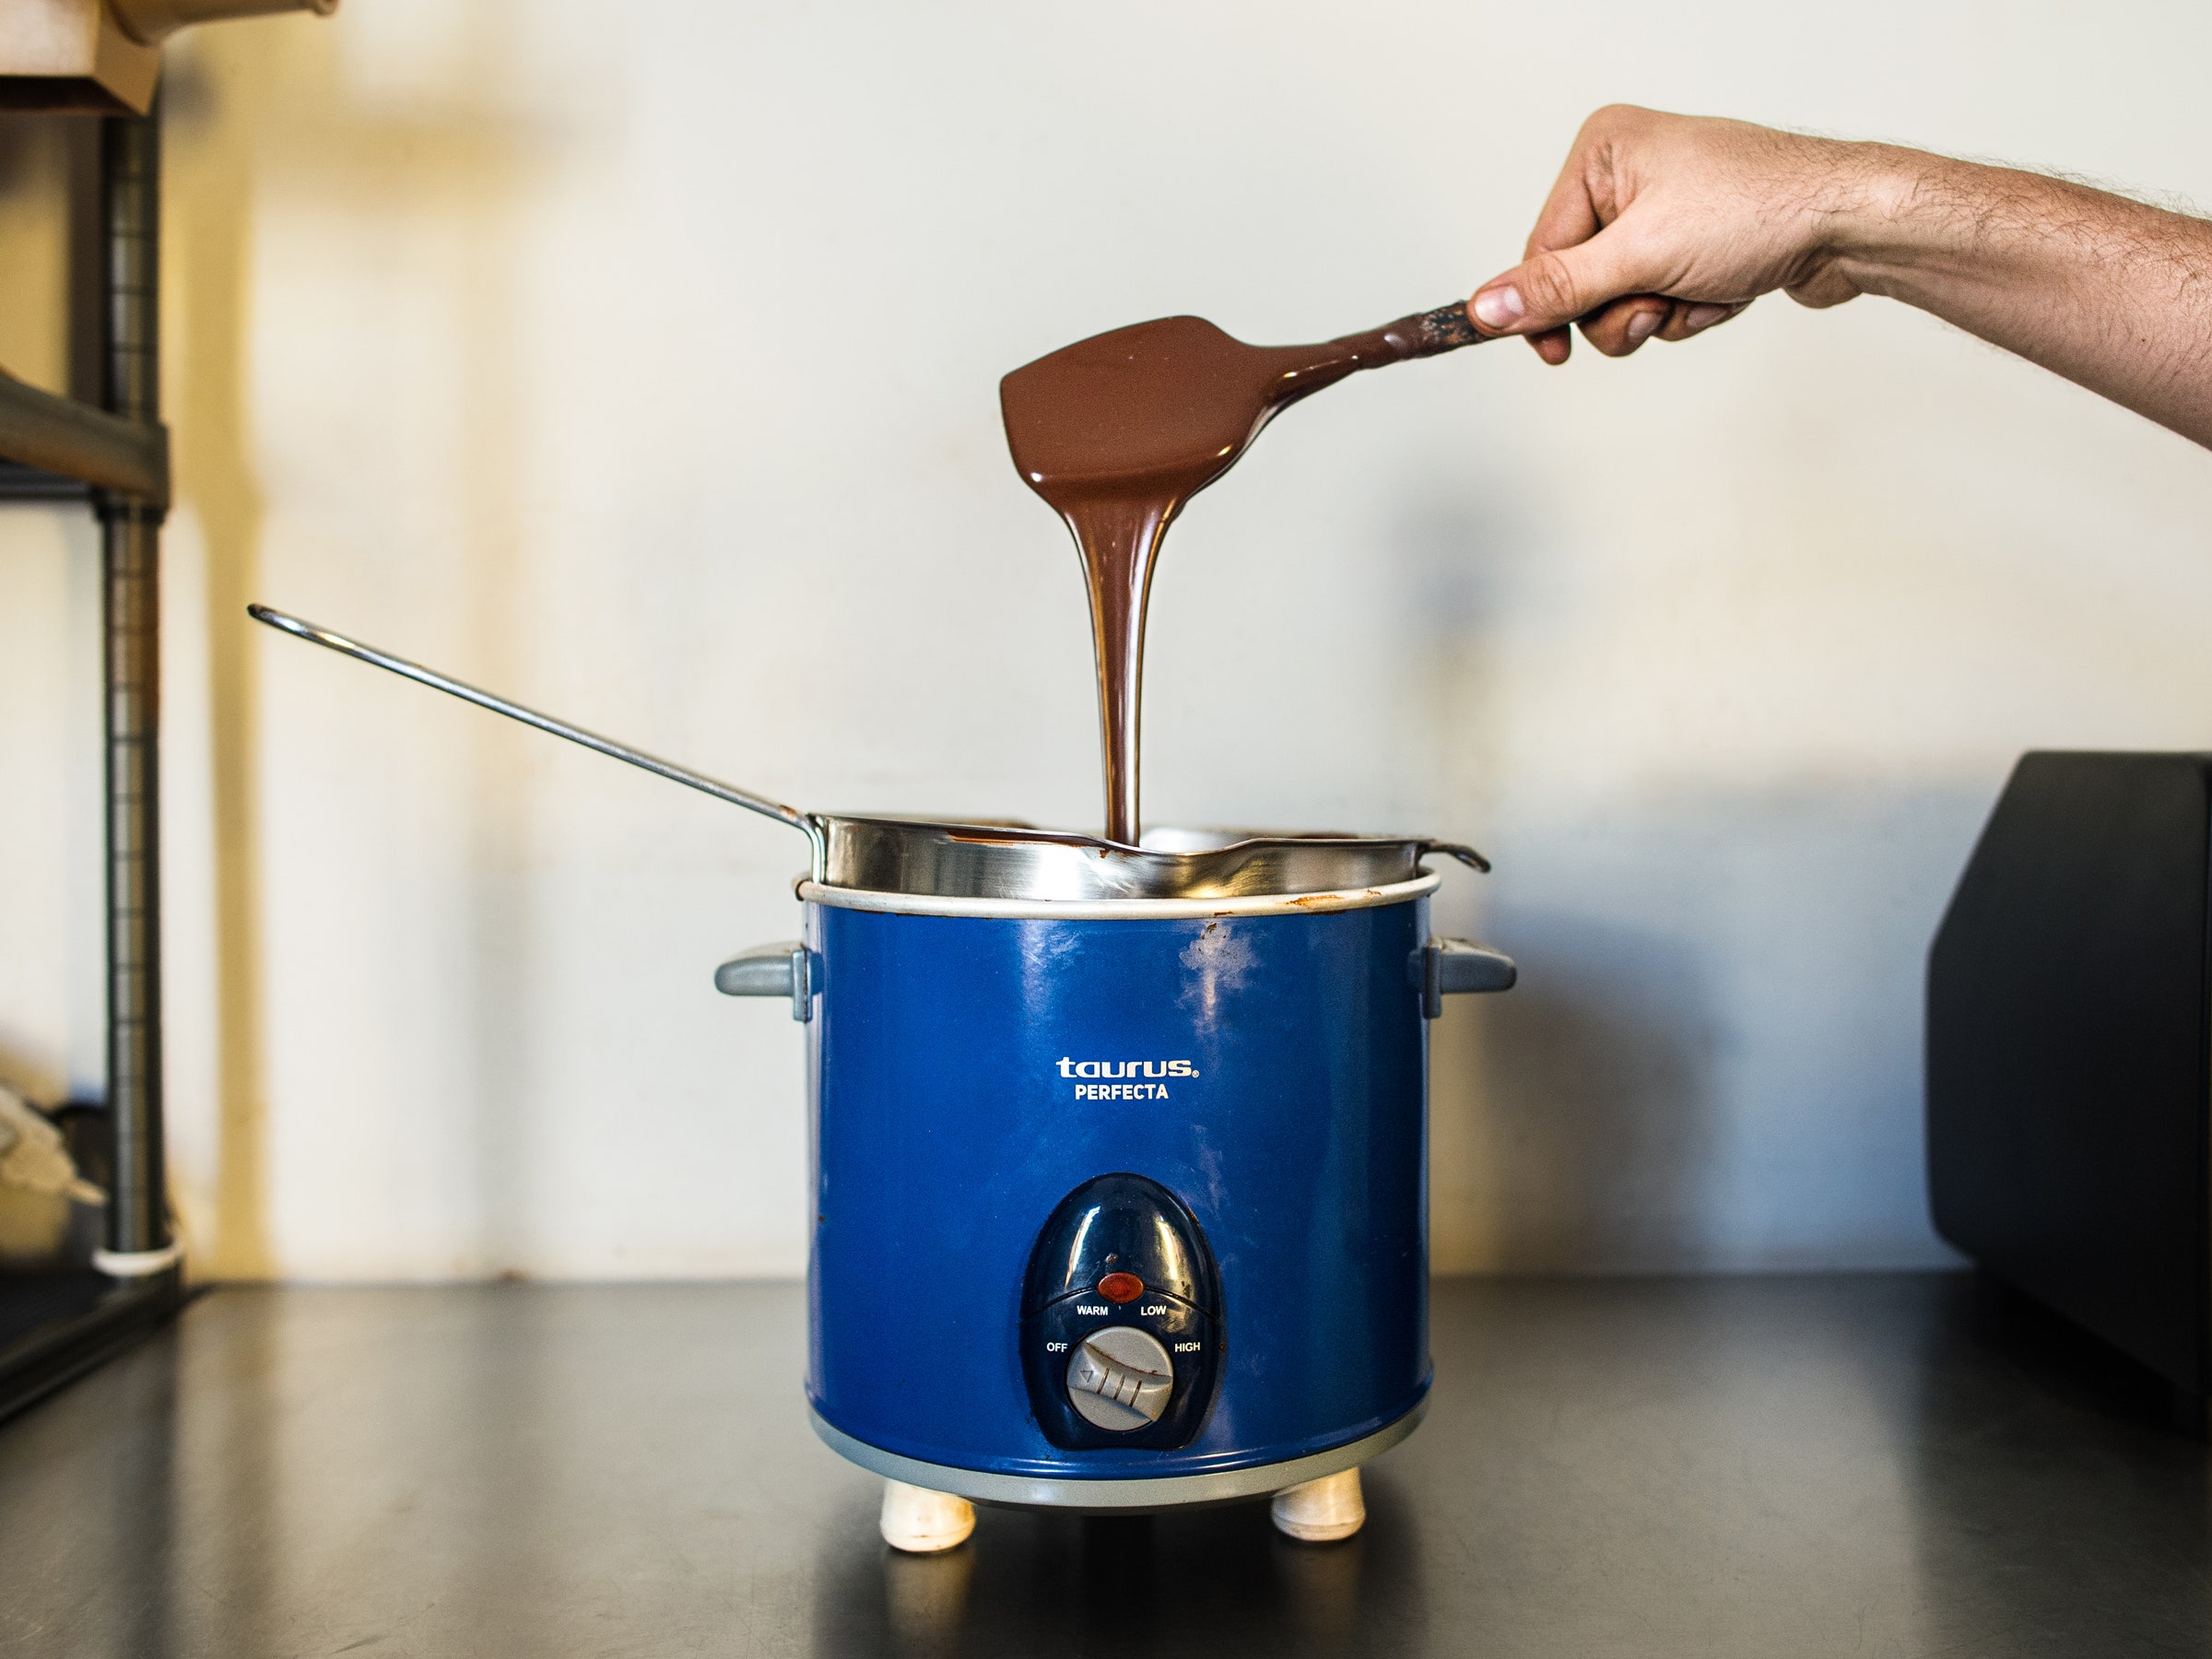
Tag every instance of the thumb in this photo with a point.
(1551, 289)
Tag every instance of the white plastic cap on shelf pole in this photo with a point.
(137, 1263)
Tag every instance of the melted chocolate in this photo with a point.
(1116, 432)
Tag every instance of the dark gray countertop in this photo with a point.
(1889, 1465)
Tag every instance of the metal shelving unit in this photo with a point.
(115, 458)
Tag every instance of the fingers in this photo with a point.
(1696, 319)
(1590, 191)
(1644, 208)
(1552, 289)
(1621, 327)
(1582, 202)
(1553, 344)
(1570, 214)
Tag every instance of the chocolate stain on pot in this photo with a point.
(1116, 432)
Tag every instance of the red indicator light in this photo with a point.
(1120, 1286)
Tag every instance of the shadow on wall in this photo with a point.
(1713, 1058)
(1597, 1124)
(240, 103)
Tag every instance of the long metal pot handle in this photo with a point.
(802, 822)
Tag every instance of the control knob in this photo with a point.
(1120, 1319)
(1120, 1377)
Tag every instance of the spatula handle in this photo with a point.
(1446, 328)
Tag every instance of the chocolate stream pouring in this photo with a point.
(1117, 432)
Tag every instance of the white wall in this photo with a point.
(535, 356)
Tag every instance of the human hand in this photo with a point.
(1661, 226)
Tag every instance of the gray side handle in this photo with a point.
(785, 968)
(1454, 967)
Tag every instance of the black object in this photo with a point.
(1114, 1227)
(2068, 1083)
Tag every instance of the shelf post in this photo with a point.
(130, 209)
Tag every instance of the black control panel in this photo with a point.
(1121, 1313)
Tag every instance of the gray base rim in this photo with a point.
(1109, 1497)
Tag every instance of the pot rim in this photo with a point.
(1120, 910)
(950, 860)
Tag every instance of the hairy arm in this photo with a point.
(1661, 226)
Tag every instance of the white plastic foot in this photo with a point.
(922, 1522)
(1320, 1511)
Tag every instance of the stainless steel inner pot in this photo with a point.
(993, 860)
(1007, 861)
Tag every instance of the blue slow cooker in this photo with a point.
(1120, 1195)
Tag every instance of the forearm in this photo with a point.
(2113, 294)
